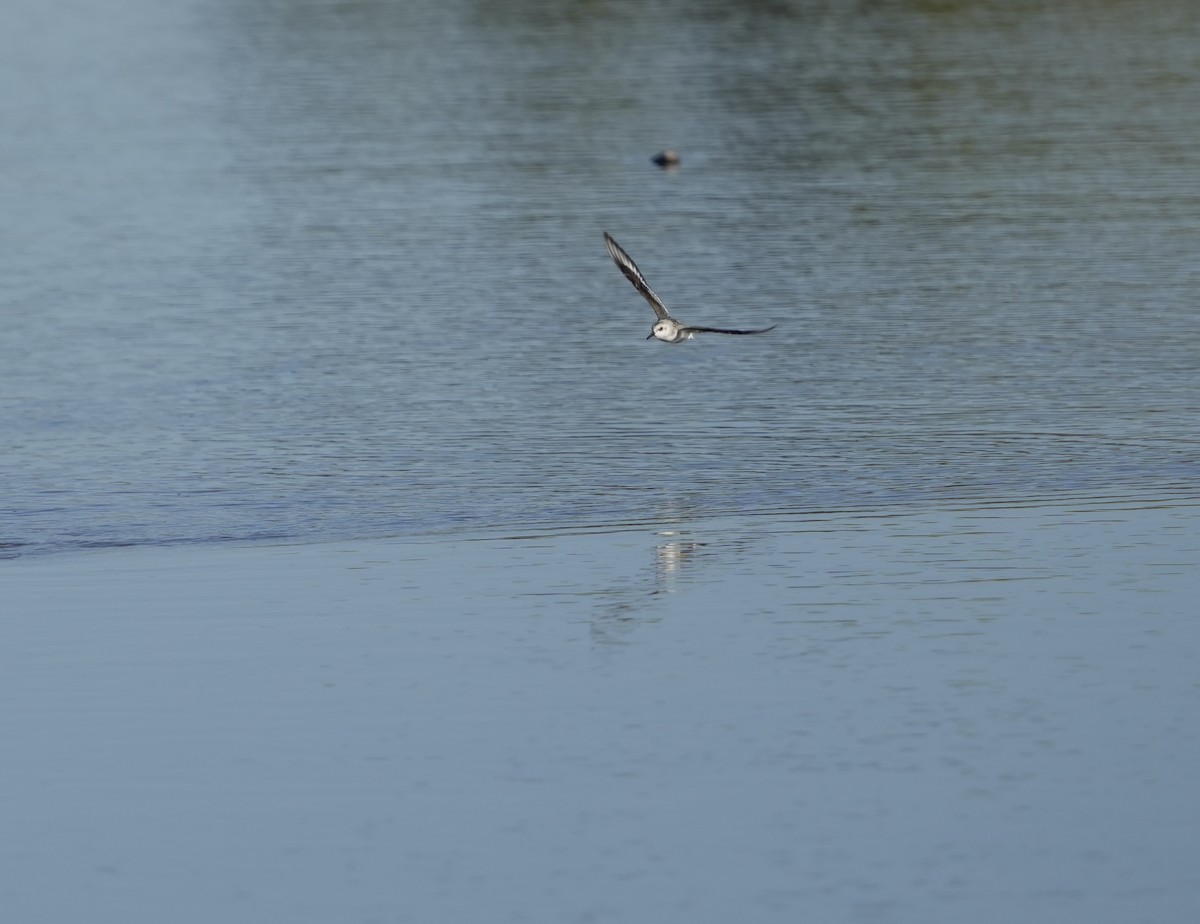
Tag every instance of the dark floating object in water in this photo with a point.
(667, 158)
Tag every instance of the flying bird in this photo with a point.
(666, 328)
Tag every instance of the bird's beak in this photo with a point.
(650, 336)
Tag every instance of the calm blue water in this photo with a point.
(886, 616)
(982, 715)
(315, 271)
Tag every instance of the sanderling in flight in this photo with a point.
(666, 328)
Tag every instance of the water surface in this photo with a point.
(492, 610)
(324, 270)
(978, 714)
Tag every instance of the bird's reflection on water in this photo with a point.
(670, 558)
(676, 560)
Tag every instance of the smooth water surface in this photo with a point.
(982, 714)
(319, 270)
(492, 610)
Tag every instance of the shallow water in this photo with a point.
(885, 616)
(320, 271)
(979, 714)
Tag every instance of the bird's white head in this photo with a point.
(666, 329)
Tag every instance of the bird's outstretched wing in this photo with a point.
(633, 274)
(725, 330)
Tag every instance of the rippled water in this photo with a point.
(335, 270)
